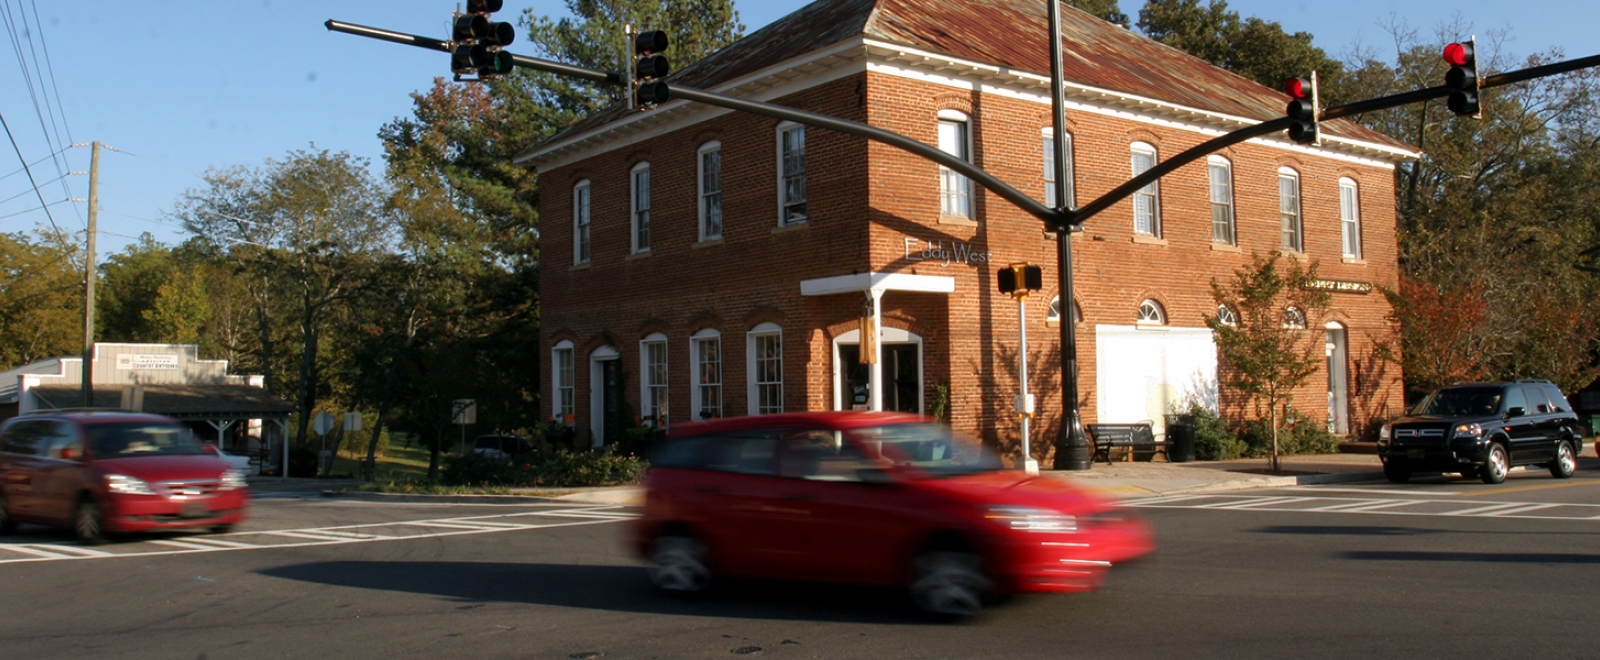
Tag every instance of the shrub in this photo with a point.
(544, 468)
(1299, 435)
(1214, 440)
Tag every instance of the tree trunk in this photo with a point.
(308, 365)
(1273, 400)
(369, 467)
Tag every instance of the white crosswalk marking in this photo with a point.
(1373, 506)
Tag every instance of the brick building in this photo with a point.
(698, 261)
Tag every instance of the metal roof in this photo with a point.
(180, 401)
(1008, 34)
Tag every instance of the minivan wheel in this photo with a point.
(949, 583)
(1397, 473)
(678, 564)
(1497, 465)
(1566, 461)
(86, 523)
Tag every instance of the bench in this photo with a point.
(1139, 438)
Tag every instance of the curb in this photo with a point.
(1279, 482)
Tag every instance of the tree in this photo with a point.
(1253, 48)
(41, 299)
(1106, 10)
(1274, 345)
(179, 312)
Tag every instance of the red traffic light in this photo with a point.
(1459, 54)
(1299, 88)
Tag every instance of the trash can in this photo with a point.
(1180, 438)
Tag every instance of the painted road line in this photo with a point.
(460, 525)
(1522, 510)
(45, 551)
(1363, 505)
(1163, 500)
(215, 542)
(183, 544)
(1272, 502)
(1373, 491)
(1523, 489)
(321, 535)
(1485, 509)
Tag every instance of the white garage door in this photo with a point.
(1144, 373)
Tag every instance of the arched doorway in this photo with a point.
(902, 372)
(605, 394)
(1337, 352)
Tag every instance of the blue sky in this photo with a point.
(148, 79)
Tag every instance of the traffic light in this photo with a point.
(480, 42)
(1020, 279)
(1302, 108)
(649, 67)
(1463, 78)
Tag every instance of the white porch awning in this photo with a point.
(879, 282)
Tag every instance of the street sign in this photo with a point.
(465, 411)
(323, 423)
(352, 421)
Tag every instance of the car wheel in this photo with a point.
(1397, 473)
(86, 523)
(678, 565)
(1566, 461)
(1498, 464)
(7, 525)
(949, 584)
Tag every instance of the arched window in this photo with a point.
(955, 189)
(1146, 200)
(1294, 317)
(1227, 317)
(1055, 312)
(1150, 312)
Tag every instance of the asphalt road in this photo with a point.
(1434, 569)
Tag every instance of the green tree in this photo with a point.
(1259, 50)
(1106, 10)
(1275, 343)
(127, 289)
(41, 299)
(180, 309)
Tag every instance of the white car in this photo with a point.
(234, 461)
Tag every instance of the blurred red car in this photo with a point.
(886, 499)
(101, 473)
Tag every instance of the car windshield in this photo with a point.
(124, 439)
(932, 448)
(1462, 401)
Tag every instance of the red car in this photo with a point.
(102, 473)
(886, 499)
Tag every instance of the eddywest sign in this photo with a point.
(948, 252)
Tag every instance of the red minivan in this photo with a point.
(102, 473)
(888, 499)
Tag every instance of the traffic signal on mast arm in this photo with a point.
(1303, 108)
(1463, 78)
(1020, 279)
(480, 42)
(649, 67)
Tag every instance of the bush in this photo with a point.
(1298, 435)
(544, 468)
(1213, 438)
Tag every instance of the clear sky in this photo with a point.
(179, 86)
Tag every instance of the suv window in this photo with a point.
(122, 439)
(1515, 399)
(1557, 398)
(1462, 401)
(27, 438)
(1538, 403)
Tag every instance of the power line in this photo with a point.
(159, 162)
(49, 66)
(51, 140)
(60, 234)
(41, 160)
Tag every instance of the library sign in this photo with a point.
(1340, 286)
(946, 252)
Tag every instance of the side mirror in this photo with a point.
(1516, 411)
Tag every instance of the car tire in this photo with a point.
(7, 524)
(1566, 461)
(679, 564)
(1397, 473)
(1496, 465)
(949, 584)
(87, 523)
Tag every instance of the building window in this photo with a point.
(1289, 208)
(1221, 199)
(765, 357)
(1069, 199)
(580, 223)
(955, 189)
(791, 174)
(1146, 200)
(711, 191)
(1294, 317)
(641, 208)
(1150, 312)
(1054, 316)
(705, 349)
(1350, 218)
(561, 376)
(1227, 317)
(653, 379)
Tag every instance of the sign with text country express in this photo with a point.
(147, 362)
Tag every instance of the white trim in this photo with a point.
(1215, 160)
(778, 134)
(700, 190)
(634, 228)
(1299, 211)
(578, 256)
(964, 125)
(654, 339)
(886, 336)
(695, 402)
(1048, 154)
(1354, 210)
(555, 379)
(597, 412)
(827, 286)
(752, 395)
(1153, 189)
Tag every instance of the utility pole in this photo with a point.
(88, 280)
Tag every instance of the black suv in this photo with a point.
(1483, 430)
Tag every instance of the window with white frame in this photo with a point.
(562, 384)
(705, 351)
(1350, 217)
(641, 208)
(580, 222)
(1289, 208)
(711, 191)
(1221, 173)
(791, 174)
(764, 354)
(1054, 314)
(653, 379)
(1227, 317)
(955, 189)
(1150, 312)
(1294, 317)
(1146, 200)
(1069, 196)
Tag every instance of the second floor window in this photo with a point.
(710, 192)
(1350, 218)
(955, 189)
(580, 223)
(1289, 208)
(791, 174)
(1050, 172)
(641, 208)
(1221, 172)
(1146, 200)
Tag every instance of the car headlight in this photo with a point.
(1468, 431)
(126, 485)
(1031, 519)
(232, 479)
(1383, 434)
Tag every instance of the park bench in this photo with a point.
(1139, 438)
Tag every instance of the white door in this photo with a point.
(1338, 380)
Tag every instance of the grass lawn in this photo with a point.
(396, 464)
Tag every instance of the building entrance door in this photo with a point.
(1338, 380)
(902, 375)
